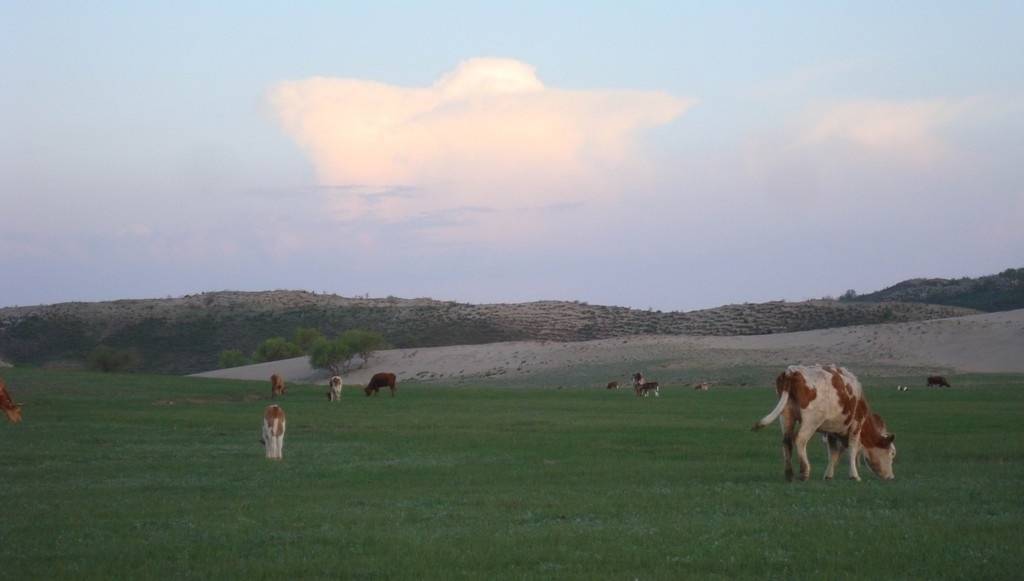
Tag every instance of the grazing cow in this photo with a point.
(649, 387)
(276, 385)
(937, 380)
(702, 386)
(273, 431)
(613, 385)
(335, 393)
(378, 381)
(11, 410)
(638, 382)
(829, 400)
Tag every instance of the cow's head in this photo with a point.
(880, 457)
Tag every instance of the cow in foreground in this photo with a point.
(273, 431)
(829, 400)
(335, 393)
(11, 410)
(937, 380)
(378, 381)
(276, 385)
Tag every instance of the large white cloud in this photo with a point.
(486, 136)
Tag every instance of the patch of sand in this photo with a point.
(986, 343)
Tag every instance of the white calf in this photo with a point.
(335, 393)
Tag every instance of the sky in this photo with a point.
(656, 155)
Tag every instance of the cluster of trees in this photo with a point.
(336, 355)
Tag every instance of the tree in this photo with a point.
(334, 355)
(232, 358)
(276, 349)
(305, 338)
(364, 343)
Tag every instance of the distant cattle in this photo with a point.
(937, 380)
(702, 386)
(613, 385)
(273, 431)
(638, 382)
(276, 385)
(378, 381)
(11, 410)
(829, 400)
(902, 388)
(649, 387)
(335, 393)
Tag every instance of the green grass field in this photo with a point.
(136, 476)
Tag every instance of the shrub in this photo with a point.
(110, 360)
(305, 337)
(276, 349)
(232, 358)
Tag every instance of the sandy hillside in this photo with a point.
(991, 342)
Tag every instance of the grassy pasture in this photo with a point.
(132, 476)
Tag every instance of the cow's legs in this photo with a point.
(854, 453)
(835, 451)
(787, 444)
(802, 437)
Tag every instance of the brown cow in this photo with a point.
(613, 385)
(829, 400)
(378, 381)
(273, 432)
(276, 385)
(335, 393)
(702, 386)
(638, 382)
(11, 410)
(937, 380)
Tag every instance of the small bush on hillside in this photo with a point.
(110, 360)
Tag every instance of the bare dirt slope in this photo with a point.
(992, 342)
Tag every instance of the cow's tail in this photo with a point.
(783, 399)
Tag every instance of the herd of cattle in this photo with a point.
(828, 400)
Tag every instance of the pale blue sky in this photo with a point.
(667, 155)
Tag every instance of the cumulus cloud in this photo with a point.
(486, 136)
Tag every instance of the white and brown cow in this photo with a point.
(649, 387)
(11, 410)
(335, 393)
(829, 400)
(273, 431)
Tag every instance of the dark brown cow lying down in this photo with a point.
(380, 380)
(829, 400)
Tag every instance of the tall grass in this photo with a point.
(137, 476)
